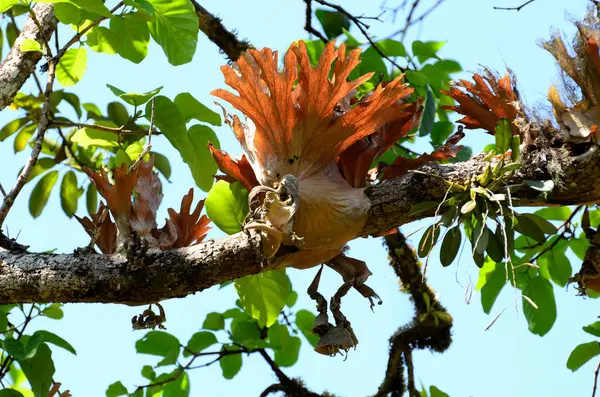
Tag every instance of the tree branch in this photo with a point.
(32, 277)
(18, 65)
(213, 28)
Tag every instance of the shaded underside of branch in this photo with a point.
(18, 65)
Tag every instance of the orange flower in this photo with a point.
(292, 129)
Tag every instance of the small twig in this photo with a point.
(562, 236)
(2, 190)
(363, 29)
(412, 22)
(148, 146)
(116, 130)
(308, 22)
(43, 125)
(518, 8)
(67, 144)
(596, 379)
(83, 31)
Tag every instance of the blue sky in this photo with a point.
(506, 360)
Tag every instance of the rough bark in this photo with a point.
(31, 277)
(18, 65)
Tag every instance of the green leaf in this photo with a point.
(286, 347)
(191, 108)
(558, 265)
(426, 50)
(94, 6)
(200, 341)
(291, 299)
(70, 98)
(132, 31)
(593, 328)
(11, 33)
(480, 237)
(371, 61)
(93, 112)
(133, 98)
(161, 344)
(582, 354)
(69, 193)
(180, 387)
(32, 345)
(68, 14)
(333, 22)
(245, 332)
(86, 137)
(214, 321)
(91, 199)
(515, 147)
(6, 5)
(102, 39)
(528, 227)
(175, 29)
(435, 392)
(14, 347)
(118, 113)
(42, 165)
(56, 340)
(492, 278)
(191, 144)
(116, 389)
(12, 126)
(23, 137)
(203, 163)
(263, 295)
(305, 321)
(3, 321)
(422, 206)
(10, 393)
(149, 373)
(53, 311)
(162, 164)
(39, 370)
(495, 246)
(232, 363)
(30, 45)
(41, 192)
(392, 48)
(71, 67)
(543, 224)
(428, 118)
(540, 291)
(227, 206)
(314, 48)
(450, 245)
(428, 240)
(503, 136)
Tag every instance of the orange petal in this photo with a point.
(238, 170)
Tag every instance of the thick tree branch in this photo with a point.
(29, 277)
(18, 65)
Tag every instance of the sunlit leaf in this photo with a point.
(263, 295)
(71, 67)
(41, 193)
(582, 354)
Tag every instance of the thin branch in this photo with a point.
(116, 130)
(596, 379)
(410, 22)
(308, 22)
(43, 125)
(518, 8)
(83, 31)
(148, 146)
(363, 29)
